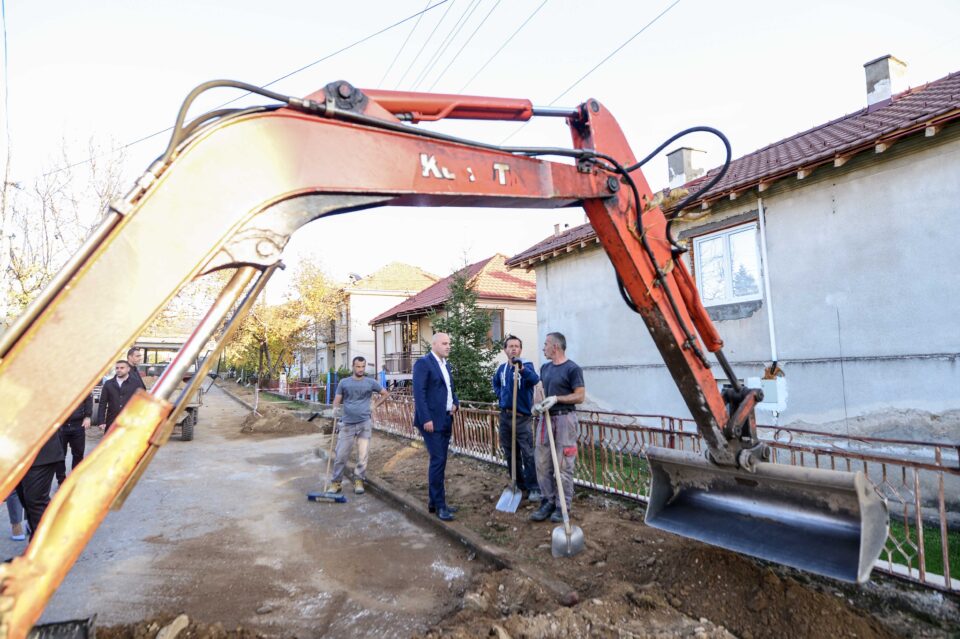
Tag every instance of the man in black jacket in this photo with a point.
(135, 357)
(115, 394)
(34, 488)
(74, 434)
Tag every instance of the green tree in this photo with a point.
(267, 338)
(471, 353)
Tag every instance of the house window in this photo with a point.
(727, 264)
(496, 326)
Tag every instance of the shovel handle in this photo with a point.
(513, 432)
(333, 438)
(556, 472)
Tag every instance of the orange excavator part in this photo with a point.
(228, 194)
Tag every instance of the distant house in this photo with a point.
(510, 297)
(830, 252)
(365, 298)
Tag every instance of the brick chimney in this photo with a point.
(682, 166)
(886, 76)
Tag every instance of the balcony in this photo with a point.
(402, 363)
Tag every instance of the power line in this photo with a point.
(464, 45)
(272, 82)
(424, 45)
(599, 64)
(403, 46)
(502, 46)
(357, 43)
(614, 52)
(451, 36)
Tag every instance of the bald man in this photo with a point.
(435, 403)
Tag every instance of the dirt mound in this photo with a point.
(526, 610)
(631, 580)
(150, 628)
(894, 423)
(277, 422)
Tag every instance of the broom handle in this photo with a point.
(556, 471)
(333, 437)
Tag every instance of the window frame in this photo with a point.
(726, 234)
(494, 314)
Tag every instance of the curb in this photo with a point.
(235, 398)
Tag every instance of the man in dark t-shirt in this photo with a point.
(353, 394)
(563, 387)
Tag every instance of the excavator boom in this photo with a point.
(228, 194)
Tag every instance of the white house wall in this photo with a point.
(364, 306)
(865, 287)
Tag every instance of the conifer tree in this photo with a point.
(471, 353)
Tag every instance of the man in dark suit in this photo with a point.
(435, 403)
(115, 394)
(135, 357)
(34, 489)
(74, 435)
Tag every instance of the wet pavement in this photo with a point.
(220, 529)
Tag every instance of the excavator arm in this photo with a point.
(228, 193)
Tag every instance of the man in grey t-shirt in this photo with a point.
(353, 394)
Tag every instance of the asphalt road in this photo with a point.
(219, 528)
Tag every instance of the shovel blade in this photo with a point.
(564, 545)
(826, 522)
(509, 500)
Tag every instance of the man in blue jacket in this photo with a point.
(503, 388)
(435, 402)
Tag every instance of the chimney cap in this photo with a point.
(884, 57)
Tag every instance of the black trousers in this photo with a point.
(34, 492)
(526, 465)
(74, 438)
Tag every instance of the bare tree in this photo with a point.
(45, 222)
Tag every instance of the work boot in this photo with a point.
(358, 487)
(336, 487)
(543, 512)
(557, 516)
(534, 496)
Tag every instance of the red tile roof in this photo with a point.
(577, 237)
(909, 112)
(490, 280)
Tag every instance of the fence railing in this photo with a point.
(920, 480)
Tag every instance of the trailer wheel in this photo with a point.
(186, 428)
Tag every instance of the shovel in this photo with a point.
(567, 540)
(827, 522)
(511, 497)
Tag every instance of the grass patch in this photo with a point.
(624, 471)
(932, 547)
(282, 402)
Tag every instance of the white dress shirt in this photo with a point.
(446, 379)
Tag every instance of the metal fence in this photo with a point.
(920, 480)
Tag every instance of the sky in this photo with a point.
(116, 71)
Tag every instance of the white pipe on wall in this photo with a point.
(766, 279)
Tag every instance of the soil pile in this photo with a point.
(166, 627)
(631, 580)
(275, 421)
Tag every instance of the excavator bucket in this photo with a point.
(826, 522)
